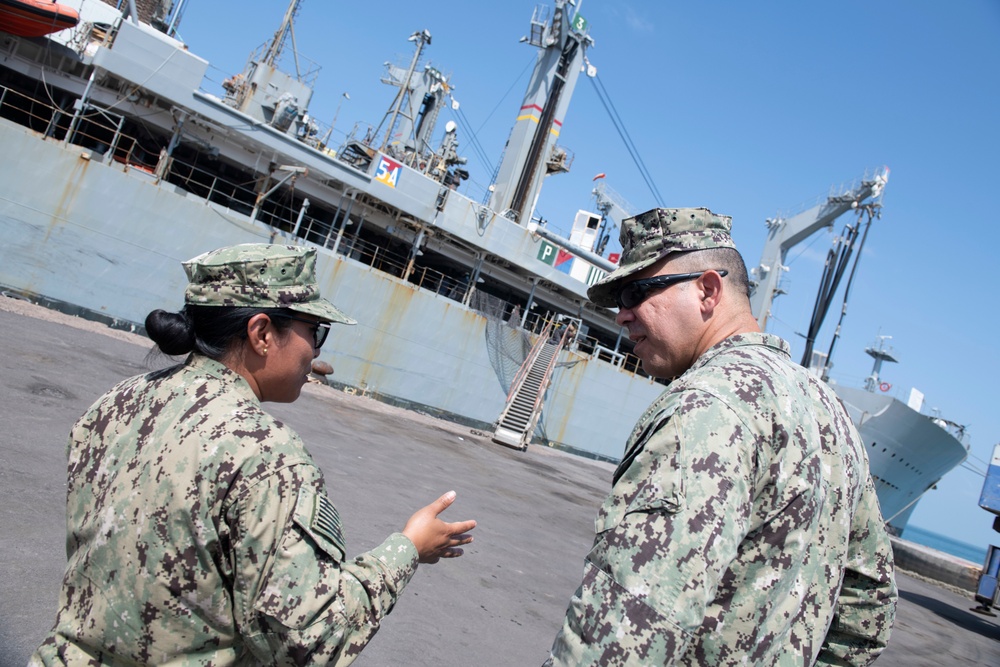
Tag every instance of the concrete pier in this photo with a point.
(933, 564)
(500, 604)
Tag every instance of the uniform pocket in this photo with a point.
(614, 509)
(652, 480)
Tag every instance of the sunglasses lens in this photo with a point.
(322, 331)
(630, 296)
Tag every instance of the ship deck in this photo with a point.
(501, 604)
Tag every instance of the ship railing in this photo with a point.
(625, 362)
(384, 260)
(378, 257)
(953, 429)
(614, 358)
(213, 188)
(19, 108)
(97, 128)
(285, 215)
(240, 197)
(100, 130)
(323, 233)
(534, 323)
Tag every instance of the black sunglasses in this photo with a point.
(320, 333)
(637, 291)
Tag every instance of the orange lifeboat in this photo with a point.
(34, 18)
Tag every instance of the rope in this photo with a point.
(605, 98)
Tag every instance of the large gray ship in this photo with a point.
(463, 308)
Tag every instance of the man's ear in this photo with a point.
(710, 289)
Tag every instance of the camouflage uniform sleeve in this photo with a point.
(297, 600)
(866, 609)
(665, 535)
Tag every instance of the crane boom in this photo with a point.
(784, 234)
(613, 210)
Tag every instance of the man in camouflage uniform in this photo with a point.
(199, 531)
(742, 526)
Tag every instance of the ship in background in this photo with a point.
(908, 451)
(471, 310)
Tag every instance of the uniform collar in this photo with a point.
(754, 338)
(203, 365)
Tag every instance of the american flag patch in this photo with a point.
(326, 522)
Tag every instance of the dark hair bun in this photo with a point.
(173, 333)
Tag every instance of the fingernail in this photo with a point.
(450, 495)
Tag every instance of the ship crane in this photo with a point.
(268, 94)
(277, 43)
(784, 234)
(613, 210)
(531, 152)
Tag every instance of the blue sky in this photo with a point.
(750, 109)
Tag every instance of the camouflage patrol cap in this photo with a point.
(651, 236)
(259, 275)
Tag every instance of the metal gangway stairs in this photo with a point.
(517, 422)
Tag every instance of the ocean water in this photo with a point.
(931, 539)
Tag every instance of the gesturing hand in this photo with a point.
(433, 538)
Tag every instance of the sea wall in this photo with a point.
(936, 565)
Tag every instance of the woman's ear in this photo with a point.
(260, 333)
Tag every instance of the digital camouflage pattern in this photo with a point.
(199, 532)
(651, 236)
(742, 528)
(261, 276)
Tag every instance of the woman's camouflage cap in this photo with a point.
(651, 236)
(259, 275)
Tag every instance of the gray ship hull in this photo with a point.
(908, 452)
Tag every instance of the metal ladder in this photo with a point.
(517, 422)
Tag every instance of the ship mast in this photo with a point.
(879, 354)
(420, 38)
(562, 44)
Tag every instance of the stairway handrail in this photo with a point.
(544, 384)
(529, 361)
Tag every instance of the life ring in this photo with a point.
(885, 386)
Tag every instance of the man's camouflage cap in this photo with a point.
(259, 275)
(651, 236)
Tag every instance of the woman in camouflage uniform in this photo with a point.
(199, 527)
